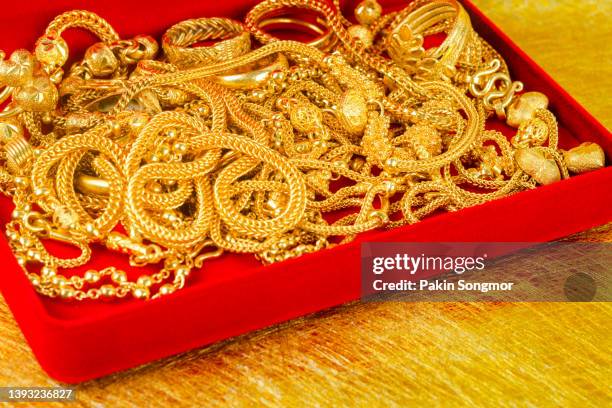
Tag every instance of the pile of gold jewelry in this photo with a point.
(175, 155)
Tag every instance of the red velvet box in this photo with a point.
(232, 295)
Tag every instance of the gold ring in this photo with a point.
(405, 38)
(325, 35)
(177, 41)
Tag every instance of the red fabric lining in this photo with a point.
(235, 294)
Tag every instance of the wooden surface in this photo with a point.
(404, 354)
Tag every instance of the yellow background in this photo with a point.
(405, 354)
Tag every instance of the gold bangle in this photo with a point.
(265, 15)
(325, 40)
(176, 42)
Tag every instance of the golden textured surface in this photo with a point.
(405, 354)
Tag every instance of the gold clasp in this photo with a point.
(140, 254)
(199, 260)
(35, 223)
(495, 88)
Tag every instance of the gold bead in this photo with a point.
(51, 51)
(21, 260)
(107, 290)
(278, 75)
(138, 121)
(47, 272)
(119, 276)
(92, 231)
(154, 158)
(67, 293)
(390, 187)
(21, 182)
(543, 170)
(584, 158)
(101, 60)
(140, 293)
(179, 148)
(19, 156)
(59, 280)
(367, 12)
(41, 192)
(362, 34)
(155, 187)
(306, 117)
(34, 279)
(65, 218)
(91, 276)
(524, 107)
(25, 242)
(145, 281)
(164, 151)
(166, 290)
(357, 164)
(392, 163)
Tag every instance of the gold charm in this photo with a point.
(376, 142)
(305, 117)
(524, 107)
(584, 158)
(18, 69)
(533, 162)
(353, 111)
(424, 140)
(37, 95)
(9, 129)
(531, 133)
